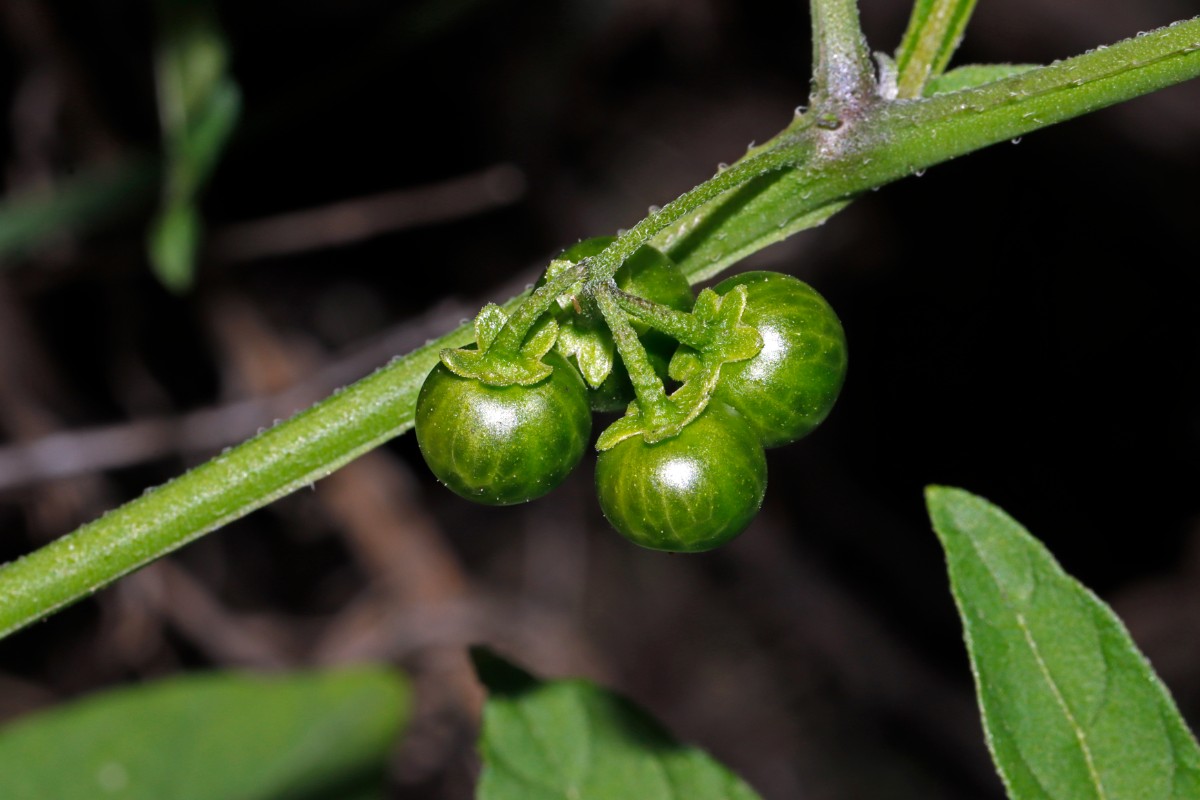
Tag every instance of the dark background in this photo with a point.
(1022, 323)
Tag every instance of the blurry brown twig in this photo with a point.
(80, 452)
(362, 218)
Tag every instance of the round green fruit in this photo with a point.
(788, 389)
(503, 445)
(690, 493)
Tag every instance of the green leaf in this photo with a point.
(570, 740)
(1071, 708)
(174, 236)
(75, 205)
(973, 75)
(934, 32)
(198, 108)
(215, 736)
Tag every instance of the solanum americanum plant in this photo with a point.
(706, 384)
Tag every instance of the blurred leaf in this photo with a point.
(198, 107)
(934, 32)
(216, 736)
(973, 75)
(76, 204)
(1071, 708)
(570, 740)
(174, 236)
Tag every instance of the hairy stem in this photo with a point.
(517, 328)
(842, 72)
(647, 386)
(679, 325)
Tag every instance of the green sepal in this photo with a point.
(498, 367)
(592, 349)
(683, 406)
(698, 370)
(488, 324)
(732, 340)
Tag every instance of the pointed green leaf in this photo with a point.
(204, 737)
(570, 740)
(973, 75)
(934, 32)
(174, 236)
(1071, 708)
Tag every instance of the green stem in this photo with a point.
(605, 264)
(679, 325)
(647, 386)
(513, 334)
(800, 178)
(842, 72)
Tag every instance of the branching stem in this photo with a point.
(647, 386)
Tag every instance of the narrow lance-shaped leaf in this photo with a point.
(1071, 708)
(570, 740)
(934, 32)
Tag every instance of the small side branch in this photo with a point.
(842, 71)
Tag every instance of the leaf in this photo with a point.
(174, 237)
(570, 740)
(220, 735)
(199, 104)
(973, 75)
(1071, 708)
(733, 226)
(934, 32)
(75, 205)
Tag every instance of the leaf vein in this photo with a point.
(1080, 734)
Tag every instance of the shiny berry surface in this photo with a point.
(503, 445)
(690, 493)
